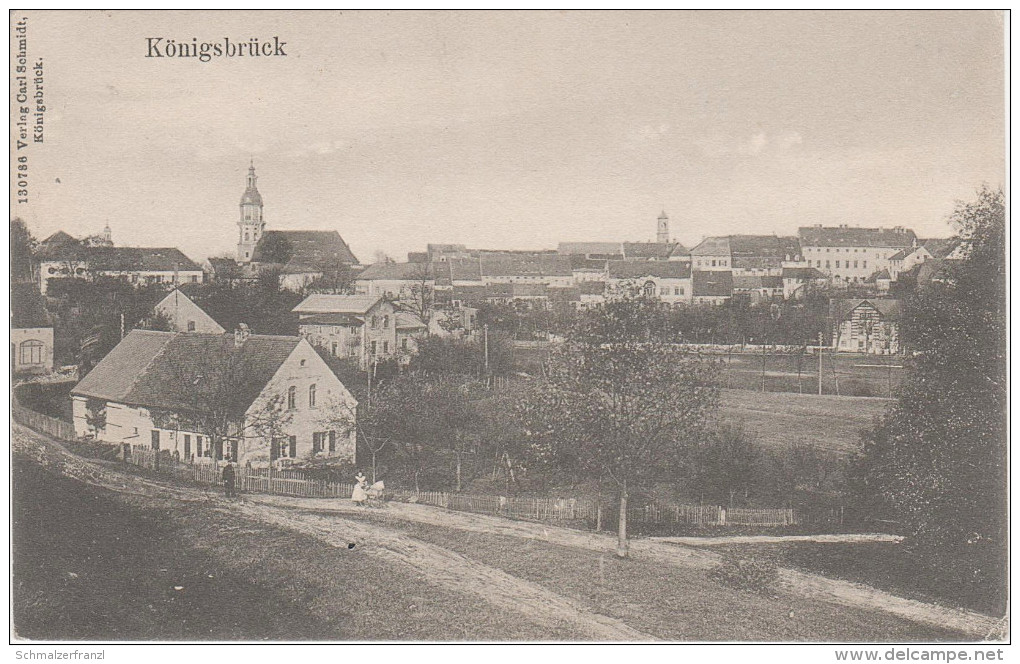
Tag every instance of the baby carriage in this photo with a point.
(375, 492)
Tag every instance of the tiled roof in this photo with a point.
(850, 236)
(840, 309)
(27, 308)
(712, 246)
(580, 262)
(539, 265)
(754, 282)
(714, 283)
(131, 259)
(58, 245)
(405, 320)
(323, 303)
(659, 269)
(764, 246)
(170, 370)
(397, 272)
(464, 269)
(940, 247)
(310, 251)
(882, 274)
(802, 273)
(648, 250)
(592, 287)
(586, 248)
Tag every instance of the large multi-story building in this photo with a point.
(851, 254)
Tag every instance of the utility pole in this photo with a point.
(485, 337)
(819, 364)
(763, 348)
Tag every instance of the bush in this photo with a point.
(756, 574)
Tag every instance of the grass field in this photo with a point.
(779, 420)
(91, 564)
(886, 565)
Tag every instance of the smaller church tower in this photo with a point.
(252, 224)
(662, 234)
(107, 235)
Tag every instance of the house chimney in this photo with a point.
(241, 334)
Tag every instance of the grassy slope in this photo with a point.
(669, 602)
(782, 419)
(92, 565)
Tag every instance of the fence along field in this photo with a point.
(564, 510)
(292, 482)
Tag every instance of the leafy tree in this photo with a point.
(937, 460)
(22, 247)
(95, 415)
(421, 298)
(726, 465)
(420, 416)
(620, 406)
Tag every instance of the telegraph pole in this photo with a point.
(485, 337)
(819, 364)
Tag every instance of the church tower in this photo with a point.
(251, 225)
(662, 234)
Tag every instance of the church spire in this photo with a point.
(252, 224)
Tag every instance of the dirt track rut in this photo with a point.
(453, 570)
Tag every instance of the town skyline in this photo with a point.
(519, 131)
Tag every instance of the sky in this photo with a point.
(514, 130)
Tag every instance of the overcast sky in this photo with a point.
(514, 130)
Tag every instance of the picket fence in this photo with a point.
(562, 510)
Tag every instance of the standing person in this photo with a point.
(228, 480)
(359, 495)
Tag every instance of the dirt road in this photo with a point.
(340, 523)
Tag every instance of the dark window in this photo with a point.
(293, 446)
(311, 396)
(403, 343)
(191, 326)
(332, 441)
(155, 440)
(385, 347)
(291, 398)
(187, 446)
(31, 351)
(386, 322)
(317, 442)
(373, 347)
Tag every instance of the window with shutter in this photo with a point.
(293, 446)
(332, 441)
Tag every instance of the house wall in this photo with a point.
(133, 424)
(297, 281)
(301, 370)
(186, 316)
(853, 263)
(379, 327)
(670, 291)
(864, 331)
(20, 336)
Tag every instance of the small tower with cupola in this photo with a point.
(662, 232)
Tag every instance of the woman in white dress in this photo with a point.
(359, 496)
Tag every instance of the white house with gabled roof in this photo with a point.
(249, 398)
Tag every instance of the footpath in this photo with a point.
(339, 522)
